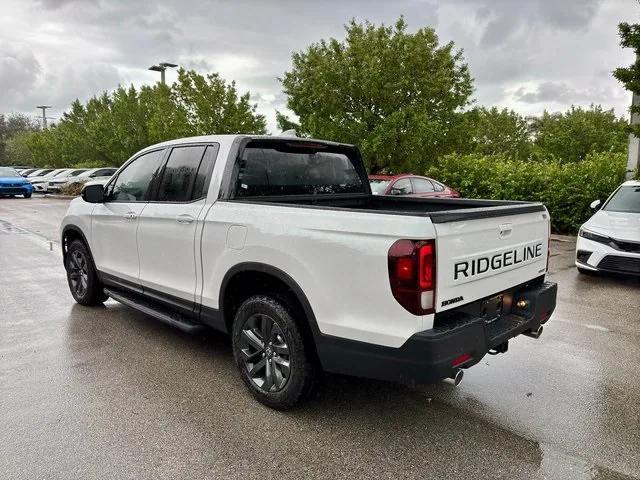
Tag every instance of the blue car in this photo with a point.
(12, 183)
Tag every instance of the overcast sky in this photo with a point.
(527, 55)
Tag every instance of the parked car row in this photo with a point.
(49, 180)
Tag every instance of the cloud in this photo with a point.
(551, 95)
(520, 52)
(19, 70)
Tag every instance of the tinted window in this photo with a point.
(180, 174)
(206, 166)
(627, 199)
(422, 185)
(105, 172)
(438, 186)
(297, 168)
(132, 185)
(401, 187)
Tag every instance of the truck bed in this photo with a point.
(439, 210)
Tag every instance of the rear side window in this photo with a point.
(105, 172)
(422, 185)
(180, 174)
(402, 187)
(133, 183)
(273, 168)
(206, 167)
(438, 186)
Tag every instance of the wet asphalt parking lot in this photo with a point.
(99, 393)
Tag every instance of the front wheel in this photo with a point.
(82, 277)
(271, 354)
(26, 195)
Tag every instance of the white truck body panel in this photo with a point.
(475, 244)
(338, 257)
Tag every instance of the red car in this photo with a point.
(412, 185)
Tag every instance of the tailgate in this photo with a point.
(479, 257)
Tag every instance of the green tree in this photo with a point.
(285, 123)
(213, 106)
(490, 131)
(630, 76)
(17, 149)
(572, 135)
(109, 128)
(393, 93)
(10, 126)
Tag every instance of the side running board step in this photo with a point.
(148, 308)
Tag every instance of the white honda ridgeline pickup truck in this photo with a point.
(279, 242)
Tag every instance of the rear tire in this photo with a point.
(26, 195)
(82, 277)
(271, 354)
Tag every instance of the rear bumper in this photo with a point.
(429, 356)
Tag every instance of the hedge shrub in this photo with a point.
(566, 189)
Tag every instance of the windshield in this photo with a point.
(76, 173)
(626, 199)
(8, 172)
(270, 167)
(378, 186)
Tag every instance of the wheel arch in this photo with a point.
(69, 234)
(261, 272)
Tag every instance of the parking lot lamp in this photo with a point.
(161, 67)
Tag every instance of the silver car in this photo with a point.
(54, 184)
(94, 174)
(40, 182)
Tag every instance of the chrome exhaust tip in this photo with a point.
(534, 333)
(456, 378)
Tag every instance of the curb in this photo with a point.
(58, 196)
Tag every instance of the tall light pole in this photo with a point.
(161, 67)
(44, 115)
(633, 157)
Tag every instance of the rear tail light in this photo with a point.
(412, 274)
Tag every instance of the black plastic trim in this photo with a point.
(75, 229)
(119, 283)
(427, 356)
(494, 211)
(192, 310)
(280, 275)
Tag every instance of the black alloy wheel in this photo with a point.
(264, 351)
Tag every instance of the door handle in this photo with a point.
(184, 218)
(130, 216)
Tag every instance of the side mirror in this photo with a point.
(93, 193)
(595, 205)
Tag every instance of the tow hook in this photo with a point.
(456, 378)
(534, 332)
